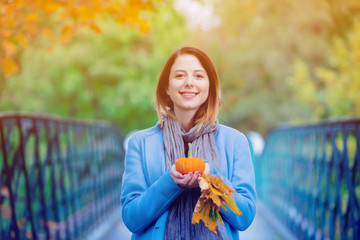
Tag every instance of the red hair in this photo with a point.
(208, 111)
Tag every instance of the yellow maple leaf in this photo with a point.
(203, 183)
(216, 199)
(214, 195)
(231, 204)
(216, 192)
(209, 215)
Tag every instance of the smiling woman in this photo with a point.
(188, 87)
(196, 67)
(158, 201)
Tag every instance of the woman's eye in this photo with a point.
(179, 75)
(199, 76)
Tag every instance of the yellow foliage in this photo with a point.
(333, 88)
(9, 48)
(32, 17)
(21, 39)
(9, 67)
(48, 33)
(94, 27)
(302, 82)
(66, 33)
(22, 22)
(214, 195)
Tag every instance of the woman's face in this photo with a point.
(188, 84)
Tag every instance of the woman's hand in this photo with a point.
(184, 180)
(189, 180)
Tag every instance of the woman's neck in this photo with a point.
(185, 118)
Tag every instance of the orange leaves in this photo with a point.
(94, 27)
(214, 195)
(9, 66)
(22, 40)
(66, 33)
(48, 33)
(22, 22)
(32, 18)
(9, 48)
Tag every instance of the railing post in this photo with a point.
(312, 178)
(54, 181)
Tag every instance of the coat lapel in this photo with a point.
(155, 155)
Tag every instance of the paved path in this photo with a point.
(264, 227)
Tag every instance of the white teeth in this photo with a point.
(188, 94)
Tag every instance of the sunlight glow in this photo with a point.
(198, 16)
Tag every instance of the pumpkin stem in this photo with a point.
(190, 150)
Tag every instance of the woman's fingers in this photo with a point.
(175, 174)
(188, 180)
(183, 182)
(193, 181)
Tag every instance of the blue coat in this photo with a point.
(148, 190)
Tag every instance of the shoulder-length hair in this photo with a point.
(208, 111)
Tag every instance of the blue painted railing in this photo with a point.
(309, 176)
(59, 178)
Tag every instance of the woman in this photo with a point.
(157, 201)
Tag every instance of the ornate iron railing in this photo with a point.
(59, 178)
(310, 177)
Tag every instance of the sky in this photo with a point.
(198, 15)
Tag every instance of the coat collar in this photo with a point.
(155, 154)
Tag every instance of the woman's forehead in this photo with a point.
(186, 62)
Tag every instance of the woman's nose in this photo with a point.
(190, 81)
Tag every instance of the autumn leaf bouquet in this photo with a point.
(215, 194)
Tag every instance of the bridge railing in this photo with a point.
(59, 178)
(309, 176)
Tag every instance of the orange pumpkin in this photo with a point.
(190, 164)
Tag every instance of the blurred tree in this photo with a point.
(332, 90)
(109, 76)
(23, 22)
(256, 45)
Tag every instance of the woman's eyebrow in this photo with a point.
(197, 70)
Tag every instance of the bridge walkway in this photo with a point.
(265, 226)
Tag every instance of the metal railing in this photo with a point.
(309, 176)
(59, 178)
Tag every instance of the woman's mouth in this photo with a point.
(187, 94)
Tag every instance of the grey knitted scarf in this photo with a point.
(178, 224)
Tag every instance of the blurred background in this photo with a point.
(281, 64)
(289, 61)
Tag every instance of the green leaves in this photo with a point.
(109, 76)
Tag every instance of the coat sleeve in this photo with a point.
(243, 181)
(143, 203)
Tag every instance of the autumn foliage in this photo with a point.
(214, 195)
(22, 22)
